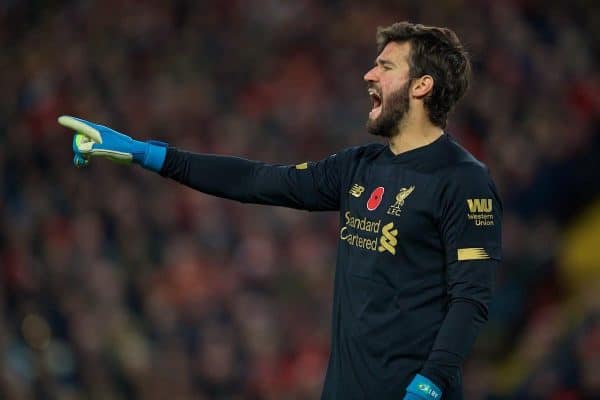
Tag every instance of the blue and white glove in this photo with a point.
(421, 388)
(98, 140)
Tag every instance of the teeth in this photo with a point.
(373, 92)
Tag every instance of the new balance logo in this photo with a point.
(356, 190)
(480, 205)
(388, 240)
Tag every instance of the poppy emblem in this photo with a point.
(375, 198)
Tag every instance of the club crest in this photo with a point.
(396, 208)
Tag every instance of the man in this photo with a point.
(419, 220)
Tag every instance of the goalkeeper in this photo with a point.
(420, 220)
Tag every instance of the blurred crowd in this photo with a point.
(118, 284)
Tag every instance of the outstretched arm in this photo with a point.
(309, 186)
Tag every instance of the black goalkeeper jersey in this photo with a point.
(419, 241)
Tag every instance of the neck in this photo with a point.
(412, 134)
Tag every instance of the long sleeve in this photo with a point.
(309, 186)
(471, 230)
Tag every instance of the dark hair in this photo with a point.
(437, 52)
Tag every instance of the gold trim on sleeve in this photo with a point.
(472, 253)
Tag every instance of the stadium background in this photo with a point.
(118, 284)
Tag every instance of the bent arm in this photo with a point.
(471, 232)
(467, 313)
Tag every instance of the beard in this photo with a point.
(392, 112)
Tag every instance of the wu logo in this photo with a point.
(480, 205)
(356, 190)
(388, 240)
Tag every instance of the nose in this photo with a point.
(370, 76)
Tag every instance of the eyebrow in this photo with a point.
(382, 61)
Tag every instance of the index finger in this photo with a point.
(80, 126)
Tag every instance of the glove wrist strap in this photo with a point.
(154, 155)
(424, 388)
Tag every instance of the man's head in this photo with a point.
(417, 66)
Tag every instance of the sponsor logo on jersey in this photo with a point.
(472, 253)
(388, 240)
(375, 198)
(396, 208)
(480, 212)
(304, 165)
(480, 205)
(364, 234)
(356, 190)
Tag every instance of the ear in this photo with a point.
(422, 86)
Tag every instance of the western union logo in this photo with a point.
(472, 253)
(356, 190)
(480, 205)
(388, 239)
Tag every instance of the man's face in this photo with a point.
(388, 85)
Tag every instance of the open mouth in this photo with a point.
(376, 98)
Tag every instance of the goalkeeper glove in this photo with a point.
(98, 140)
(421, 388)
